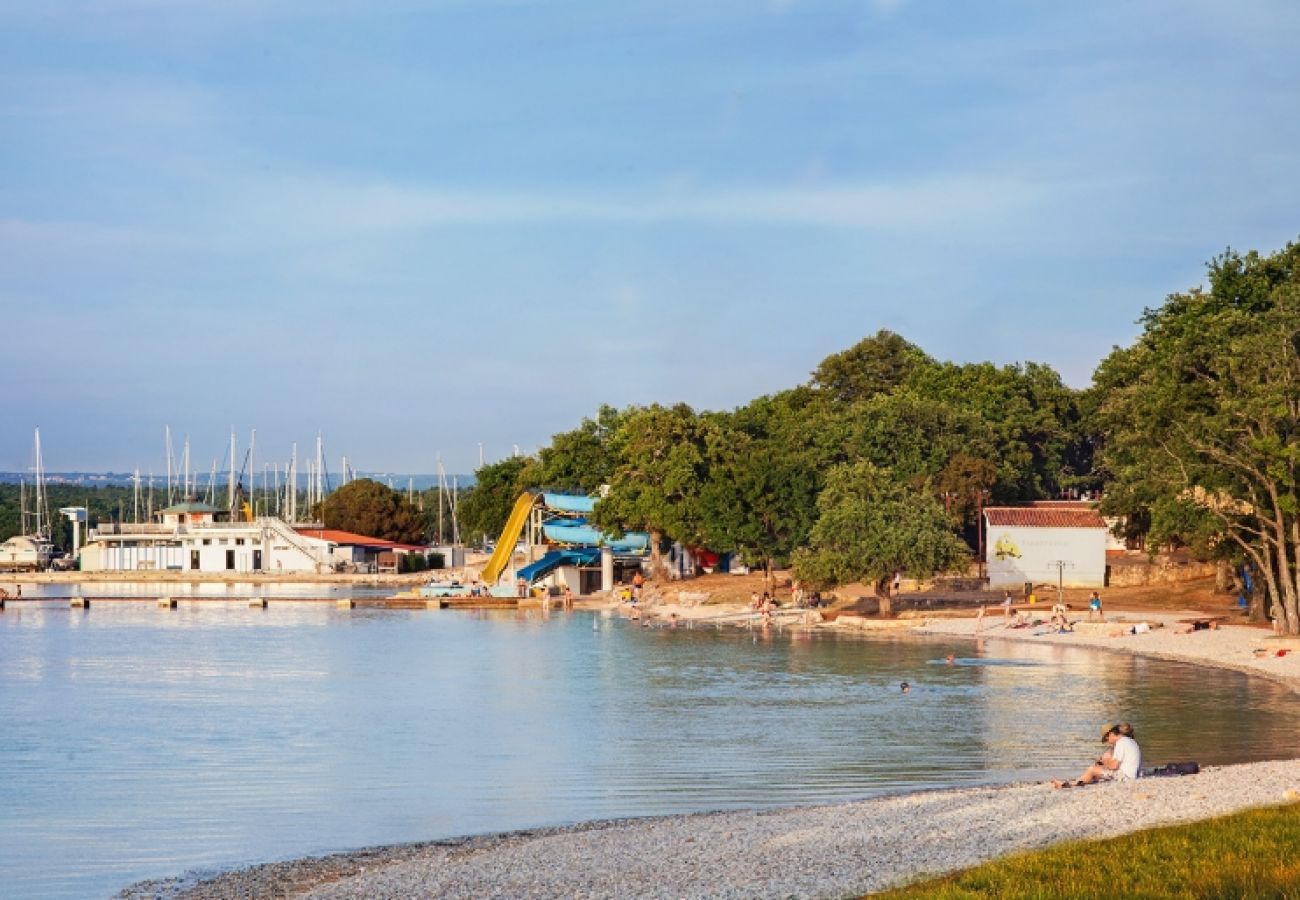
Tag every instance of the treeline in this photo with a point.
(882, 460)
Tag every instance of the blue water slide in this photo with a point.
(587, 536)
(556, 558)
(569, 503)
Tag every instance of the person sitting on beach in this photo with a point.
(1061, 617)
(1121, 762)
(1094, 606)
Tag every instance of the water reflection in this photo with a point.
(142, 742)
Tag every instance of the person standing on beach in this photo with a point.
(1006, 605)
(979, 619)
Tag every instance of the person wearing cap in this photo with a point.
(1120, 762)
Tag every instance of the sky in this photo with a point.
(421, 227)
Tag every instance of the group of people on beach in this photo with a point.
(1121, 761)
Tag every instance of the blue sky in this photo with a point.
(418, 226)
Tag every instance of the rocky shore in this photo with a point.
(840, 850)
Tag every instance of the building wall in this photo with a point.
(174, 550)
(1038, 548)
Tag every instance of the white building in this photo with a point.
(192, 537)
(25, 553)
(1045, 542)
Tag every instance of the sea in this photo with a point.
(140, 742)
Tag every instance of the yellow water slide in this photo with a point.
(505, 547)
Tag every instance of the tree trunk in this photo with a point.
(882, 592)
(1223, 577)
(658, 570)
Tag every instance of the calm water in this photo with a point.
(137, 742)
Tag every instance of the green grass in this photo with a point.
(1253, 854)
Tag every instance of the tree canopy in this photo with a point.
(1201, 421)
(870, 526)
(370, 508)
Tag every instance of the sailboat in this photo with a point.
(32, 550)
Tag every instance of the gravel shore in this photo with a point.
(825, 851)
(840, 850)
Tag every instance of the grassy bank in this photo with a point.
(1254, 854)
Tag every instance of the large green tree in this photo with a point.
(871, 525)
(874, 365)
(370, 508)
(485, 507)
(582, 459)
(1201, 421)
(666, 459)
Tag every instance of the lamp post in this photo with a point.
(1061, 566)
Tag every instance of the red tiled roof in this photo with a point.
(1040, 517)
(335, 536)
(1063, 504)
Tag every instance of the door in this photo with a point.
(194, 559)
(230, 560)
(257, 560)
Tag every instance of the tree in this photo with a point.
(870, 526)
(485, 507)
(375, 510)
(665, 456)
(874, 365)
(585, 458)
(1201, 421)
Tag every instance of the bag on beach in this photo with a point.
(1176, 768)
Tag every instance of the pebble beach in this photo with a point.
(839, 850)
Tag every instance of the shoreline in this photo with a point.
(838, 850)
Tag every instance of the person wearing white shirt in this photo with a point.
(1121, 761)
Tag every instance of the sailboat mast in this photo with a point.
(292, 485)
(230, 488)
(168, 447)
(41, 516)
(455, 526)
(442, 489)
(252, 474)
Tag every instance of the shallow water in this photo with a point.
(140, 742)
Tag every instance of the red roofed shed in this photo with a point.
(1045, 542)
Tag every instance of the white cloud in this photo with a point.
(337, 206)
